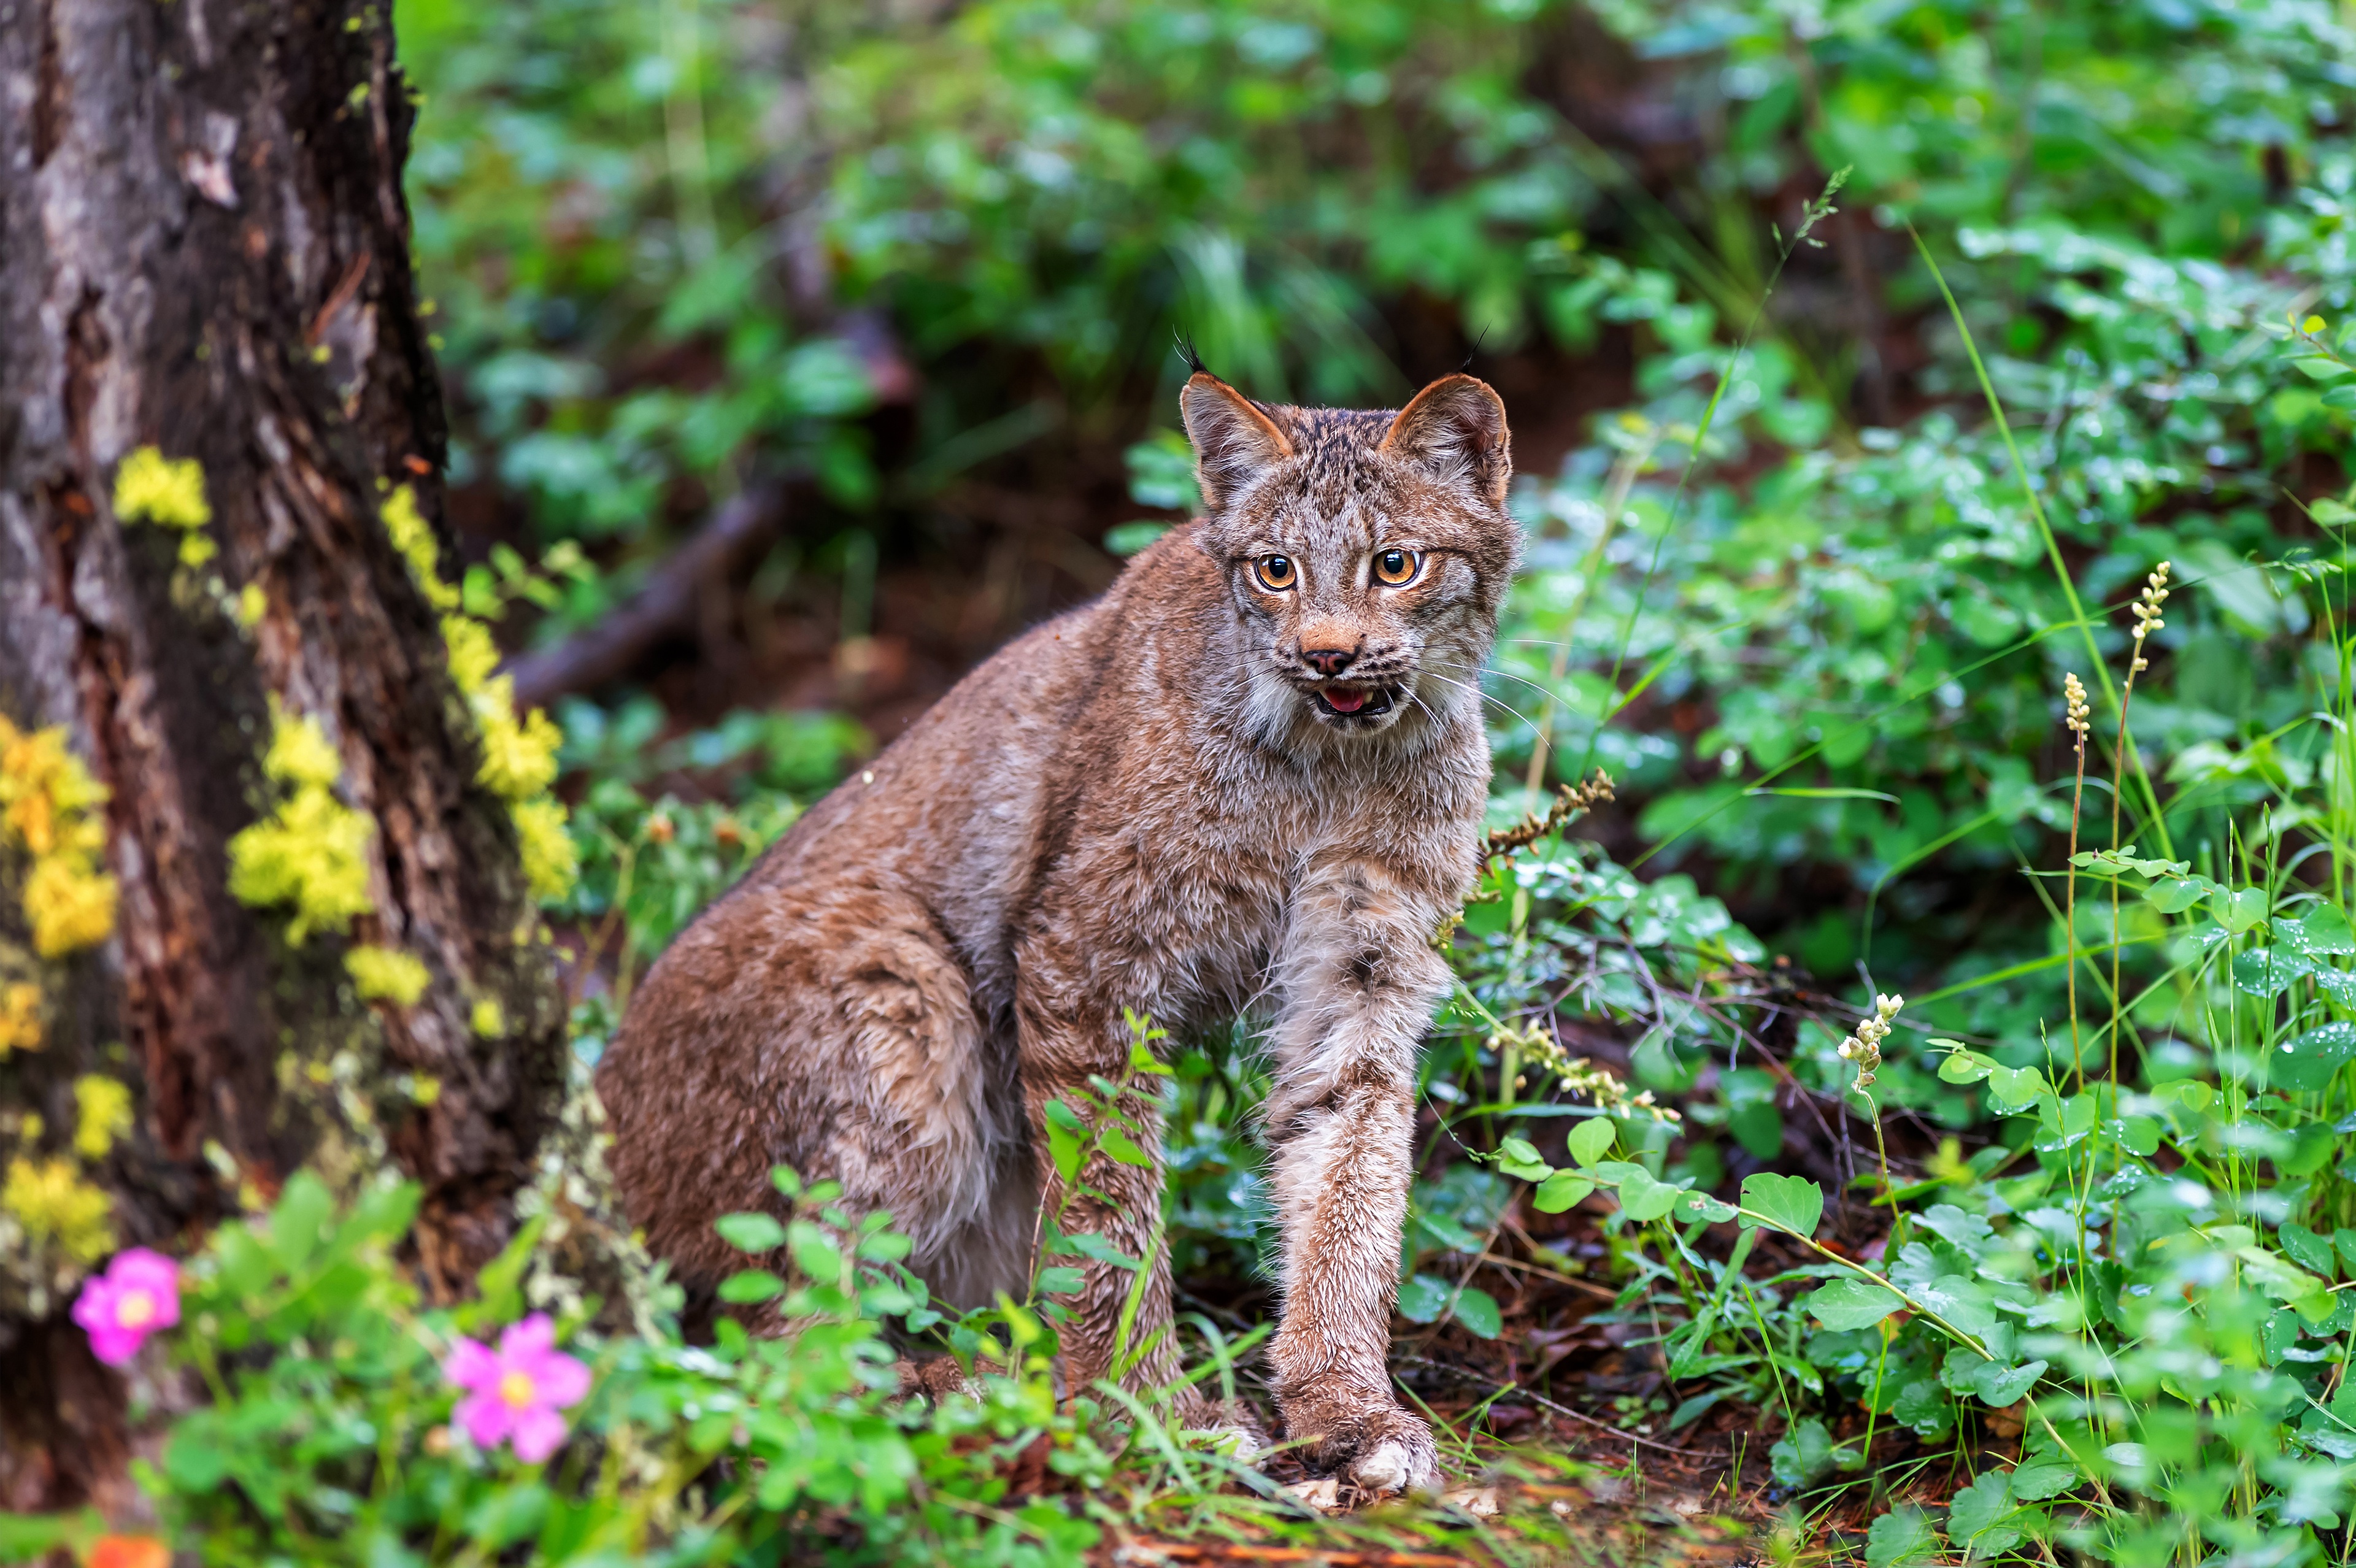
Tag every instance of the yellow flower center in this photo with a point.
(516, 1388)
(135, 1310)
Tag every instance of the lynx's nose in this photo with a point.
(1329, 661)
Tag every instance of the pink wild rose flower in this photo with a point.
(138, 1295)
(514, 1392)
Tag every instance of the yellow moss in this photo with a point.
(20, 1018)
(311, 851)
(71, 907)
(550, 861)
(49, 807)
(51, 1202)
(489, 1020)
(519, 759)
(104, 1115)
(519, 752)
(152, 488)
(473, 654)
(414, 538)
(253, 603)
(300, 753)
(388, 973)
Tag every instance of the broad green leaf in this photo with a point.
(2323, 929)
(1519, 1157)
(815, 1253)
(1064, 1146)
(1423, 1297)
(1977, 1518)
(1691, 1206)
(2240, 910)
(2016, 1087)
(752, 1285)
(1852, 1303)
(1593, 1139)
(2267, 971)
(1562, 1191)
(1478, 1310)
(2277, 1276)
(1123, 1147)
(1791, 1203)
(1643, 1196)
(1802, 1453)
(2310, 1063)
(1963, 1067)
(753, 1233)
(2001, 1385)
(1061, 1279)
(2036, 1480)
(1902, 1538)
(2306, 1249)
(2178, 893)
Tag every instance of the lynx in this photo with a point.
(1246, 780)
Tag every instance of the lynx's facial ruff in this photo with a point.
(1248, 778)
(1364, 553)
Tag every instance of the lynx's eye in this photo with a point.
(1396, 568)
(1276, 572)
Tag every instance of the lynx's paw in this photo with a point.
(1381, 1447)
(1396, 1456)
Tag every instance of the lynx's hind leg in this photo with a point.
(835, 1033)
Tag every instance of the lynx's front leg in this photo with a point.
(1360, 981)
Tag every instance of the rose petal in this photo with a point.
(115, 1346)
(533, 1334)
(560, 1381)
(538, 1431)
(471, 1365)
(487, 1418)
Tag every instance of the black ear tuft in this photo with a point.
(1193, 360)
(1234, 441)
(1454, 429)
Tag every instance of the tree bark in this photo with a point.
(204, 249)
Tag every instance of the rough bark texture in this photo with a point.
(203, 248)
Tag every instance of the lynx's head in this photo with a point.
(1365, 552)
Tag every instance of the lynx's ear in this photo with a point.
(1454, 431)
(1234, 442)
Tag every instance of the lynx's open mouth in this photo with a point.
(1348, 703)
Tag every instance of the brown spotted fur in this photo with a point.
(1138, 804)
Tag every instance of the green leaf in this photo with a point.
(299, 1224)
(1124, 1149)
(1963, 1067)
(2036, 1480)
(1562, 1191)
(2178, 894)
(2325, 930)
(2014, 1088)
(1691, 1206)
(506, 1514)
(1643, 1196)
(1791, 1203)
(1977, 1518)
(2240, 910)
(2000, 1385)
(1519, 1157)
(1422, 1297)
(2311, 1061)
(749, 1286)
(2306, 1249)
(1478, 1310)
(1061, 1279)
(1064, 1145)
(1593, 1139)
(1852, 1303)
(754, 1234)
(815, 1253)
(1802, 1453)
(1902, 1538)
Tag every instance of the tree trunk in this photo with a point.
(203, 249)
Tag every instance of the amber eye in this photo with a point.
(1276, 572)
(1395, 568)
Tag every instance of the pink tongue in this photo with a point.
(1345, 701)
